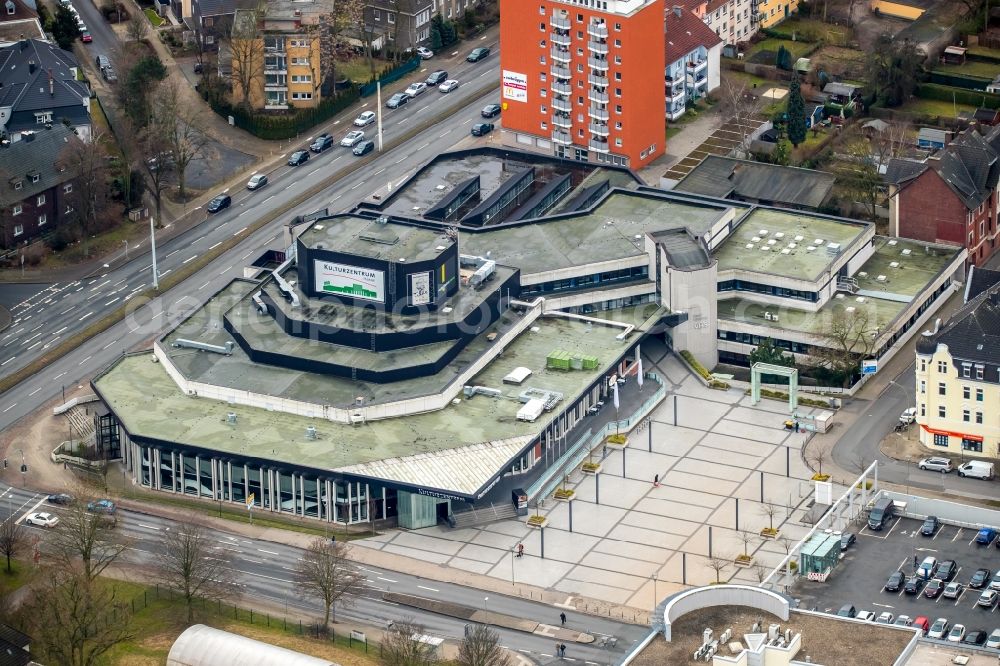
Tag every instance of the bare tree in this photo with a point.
(332, 30)
(860, 174)
(742, 108)
(246, 46)
(158, 165)
(817, 456)
(760, 571)
(89, 195)
(481, 647)
(400, 646)
(747, 537)
(193, 567)
(73, 621)
(181, 127)
(88, 537)
(718, 565)
(846, 339)
(137, 27)
(325, 573)
(11, 539)
(770, 510)
(890, 143)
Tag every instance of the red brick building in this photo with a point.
(584, 80)
(951, 197)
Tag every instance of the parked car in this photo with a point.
(416, 88)
(42, 519)
(478, 54)
(930, 526)
(109, 74)
(364, 148)
(995, 581)
(198, 68)
(913, 585)
(952, 590)
(927, 568)
(60, 498)
(957, 633)
(985, 536)
(397, 100)
(922, 623)
(867, 616)
(936, 464)
(939, 629)
(885, 617)
(219, 203)
(946, 570)
(491, 111)
(977, 469)
(974, 638)
(437, 77)
(102, 61)
(482, 129)
(987, 599)
(903, 621)
(298, 157)
(424, 53)
(86, 38)
(365, 118)
(980, 579)
(352, 138)
(895, 582)
(847, 540)
(933, 589)
(908, 416)
(102, 506)
(993, 640)
(847, 610)
(321, 143)
(448, 86)
(257, 181)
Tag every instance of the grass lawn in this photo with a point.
(771, 44)
(814, 30)
(154, 18)
(933, 107)
(984, 51)
(358, 70)
(672, 131)
(984, 70)
(750, 79)
(158, 624)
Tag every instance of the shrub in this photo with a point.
(959, 95)
(617, 438)
(563, 493)
(695, 365)
(590, 467)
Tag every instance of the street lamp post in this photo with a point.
(512, 549)
(486, 612)
(24, 469)
(126, 249)
(152, 245)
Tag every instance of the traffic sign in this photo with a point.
(250, 500)
(869, 366)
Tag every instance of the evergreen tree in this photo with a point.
(796, 113)
(64, 28)
(783, 59)
(768, 352)
(436, 40)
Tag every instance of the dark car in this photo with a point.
(934, 588)
(946, 570)
(930, 526)
(482, 129)
(847, 539)
(437, 78)
(363, 148)
(198, 68)
(218, 203)
(322, 142)
(974, 638)
(298, 157)
(491, 111)
(847, 610)
(895, 582)
(985, 535)
(397, 100)
(60, 498)
(478, 54)
(980, 578)
(913, 585)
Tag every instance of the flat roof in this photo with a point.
(149, 403)
(884, 301)
(368, 238)
(794, 231)
(604, 234)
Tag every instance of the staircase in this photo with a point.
(83, 424)
(848, 284)
(489, 514)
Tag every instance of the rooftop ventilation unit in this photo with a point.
(381, 219)
(225, 350)
(863, 274)
(860, 299)
(771, 241)
(318, 227)
(231, 417)
(311, 432)
(792, 246)
(818, 241)
(849, 308)
(786, 251)
(765, 248)
(833, 248)
(881, 278)
(779, 234)
(762, 232)
(810, 248)
(756, 239)
(799, 239)
(906, 252)
(893, 264)
(750, 246)
(893, 242)
(439, 187)
(839, 296)
(440, 248)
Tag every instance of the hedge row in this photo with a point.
(285, 126)
(959, 95)
(959, 80)
(696, 366)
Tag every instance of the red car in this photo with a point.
(86, 38)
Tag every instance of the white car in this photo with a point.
(415, 89)
(352, 138)
(42, 519)
(448, 86)
(939, 629)
(956, 634)
(424, 52)
(885, 617)
(994, 640)
(257, 181)
(365, 118)
(908, 416)
(867, 616)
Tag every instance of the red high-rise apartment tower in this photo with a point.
(583, 79)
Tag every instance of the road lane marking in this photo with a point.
(423, 146)
(429, 589)
(171, 254)
(192, 258)
(109, 344)
(269, 552)
(85, 360)
(203, 286)
(12, 406)
(148, 527)
(35, 391)
(116, 298)
(388, 580)
(240, 231)
(85, 316)
(216, 245)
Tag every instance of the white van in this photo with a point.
(977, 469)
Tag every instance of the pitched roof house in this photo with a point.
(38, 85)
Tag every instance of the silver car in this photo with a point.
(936, 464)
(352, 138)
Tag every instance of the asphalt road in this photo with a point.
(264, 570)
(57, 311)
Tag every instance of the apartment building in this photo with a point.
(958, 378)
(580, 79)
(280, 51)
(772, 12)
(405, 23)
(692, 56)
(732, 20)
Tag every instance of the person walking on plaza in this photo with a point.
(656, 481)
(562, 618)
(520, 550)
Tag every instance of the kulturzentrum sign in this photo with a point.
(352, 281)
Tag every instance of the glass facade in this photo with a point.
(585, 282)
(767, 289)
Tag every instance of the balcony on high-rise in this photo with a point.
(560, 88)
(598, 30)
(600, 129)
(600, 64)
(597, 113)
(598, 80)
(561, 38)
(562, 120)
(598, 146)
(560, 72)
(597, 96)
(560, 55)
(598, 47)
(563, 105)
(559, 22)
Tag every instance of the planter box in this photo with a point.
(820, 477)
(743, 563)
(616, 445)
(768, 533)
(567, 498)
(537, 525)
(596, 469)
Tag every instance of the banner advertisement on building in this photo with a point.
(515, 86)
(353, 281)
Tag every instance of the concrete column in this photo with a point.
(197, 476)
(271, 478)
(216, 468)
(384, 508)
(333, 501)
(154, 479)
(173, 471)
(350, 505)
(179, 482)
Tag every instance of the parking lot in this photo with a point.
(860, 577)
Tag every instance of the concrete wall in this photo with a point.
(693, 292)
(723, 595)
(952, 513)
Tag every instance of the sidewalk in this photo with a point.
(691, 135)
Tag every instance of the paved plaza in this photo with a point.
(633, 542)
